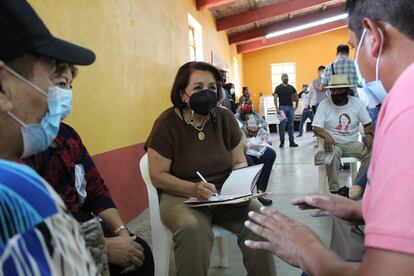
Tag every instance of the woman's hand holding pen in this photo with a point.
(204, 190)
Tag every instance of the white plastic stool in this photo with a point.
(323, 182)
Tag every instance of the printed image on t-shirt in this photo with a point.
(343, 125)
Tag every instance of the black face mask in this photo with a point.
(202, 102)
(339, 99)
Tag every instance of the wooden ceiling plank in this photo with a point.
(261, 44)
(261, 32)
(265, 12)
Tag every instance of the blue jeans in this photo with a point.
(290, 114)
(306, 113)
(373, 113)
(363, 179)
(267, 159)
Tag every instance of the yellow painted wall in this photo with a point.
(307, 53)
(139, 44)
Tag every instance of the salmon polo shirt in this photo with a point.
(388, 205)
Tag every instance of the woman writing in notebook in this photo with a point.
(195, 135)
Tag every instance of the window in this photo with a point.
(280, 68)
(195, 39)
(193, 52)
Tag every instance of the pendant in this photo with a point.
(201, 136)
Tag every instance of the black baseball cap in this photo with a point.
(21, 31)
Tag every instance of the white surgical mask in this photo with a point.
(232, 91)
(38, 137)
(374, 90)
(65, 98)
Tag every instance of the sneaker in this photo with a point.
(282, 145)
(293, 145)
(355, 192)
(265, 201)
(299, 135)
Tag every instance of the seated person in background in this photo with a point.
(245, 98)
(336, 122)
(229, 87)
(69, 169)
(307, 111)
(224, 94)
(258, 147)
(194, 135)
(37, 234)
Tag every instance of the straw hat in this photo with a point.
(339, 81)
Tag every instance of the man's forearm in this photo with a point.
(276, 102)
(316, 259)
(320, 132)
(368, 129)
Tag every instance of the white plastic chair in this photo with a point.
(267, 106)
(323, 181)
(162, 236)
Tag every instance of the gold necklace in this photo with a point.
(201, 135)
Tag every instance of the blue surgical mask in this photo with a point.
(375, 90)
(65, 98)
(38, 137)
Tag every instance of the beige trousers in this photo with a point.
(193, 236)
(353, 149)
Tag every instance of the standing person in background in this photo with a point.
(342, 65)
(317, 95)
(284, 95)
(306, 108)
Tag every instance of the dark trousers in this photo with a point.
(267, 159)
(147, 268)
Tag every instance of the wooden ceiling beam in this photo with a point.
(208, 4)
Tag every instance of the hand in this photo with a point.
(285, 237)
(328, 143)
(277, 110)
(124, 251)
(335, 205)
(203, 190)
(368, 141)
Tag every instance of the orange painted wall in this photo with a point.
(307, 53)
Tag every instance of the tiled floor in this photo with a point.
(293, 175)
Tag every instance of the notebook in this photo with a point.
(237, 188)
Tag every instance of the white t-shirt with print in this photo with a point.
(342, 122)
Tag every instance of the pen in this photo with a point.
(202, 178)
